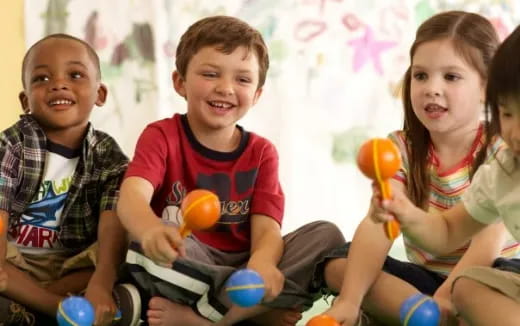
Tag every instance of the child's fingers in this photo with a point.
(174, 238)
(381, 217)
(166, 251)
(376, 188)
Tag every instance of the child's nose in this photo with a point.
(224, 87)
(58, 84)
(433, 93)
(432, 88)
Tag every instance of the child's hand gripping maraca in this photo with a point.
(200, 210)
(379, 159)
(163, 244)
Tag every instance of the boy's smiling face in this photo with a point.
(220, 88)
(61, 85)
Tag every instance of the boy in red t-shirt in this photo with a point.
(221, 68)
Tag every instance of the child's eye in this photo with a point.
(244, 80)
(420, 76)
(39, 79)
(505, 114)
(76, 75)
(209, 74)
(452, 77)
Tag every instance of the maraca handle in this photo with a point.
(386, 189)
(392, 228)
(184, 230)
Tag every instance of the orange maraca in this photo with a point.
(322, 320)
(379, 159)
(200, 210)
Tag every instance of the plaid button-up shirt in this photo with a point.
(94, 188)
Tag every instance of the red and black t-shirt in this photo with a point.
(245, 180)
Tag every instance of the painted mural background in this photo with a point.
(335, 71)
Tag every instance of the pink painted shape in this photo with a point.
(351, 22)
(306, 30)
(367, 48)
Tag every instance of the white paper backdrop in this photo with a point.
(335, 68)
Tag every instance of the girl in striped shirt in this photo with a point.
(481, 294)
(442, 143)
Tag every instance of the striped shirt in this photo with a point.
(446, 189)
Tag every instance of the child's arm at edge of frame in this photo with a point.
(4, 225)
(4, 220)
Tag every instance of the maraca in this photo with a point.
(75, 310)
(200, 210)
(322, 320)
(420, 310)
(379, 159)
(245, 288)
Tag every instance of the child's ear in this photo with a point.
(24, 101)
(257, 95)
(102, 93)
(178, 84)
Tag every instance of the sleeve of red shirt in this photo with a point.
(150, 155)
(268, 198)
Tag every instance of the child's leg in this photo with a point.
(35, 280)
(304, 252)
(162, 311)
(478, 286)
(75, 272)
(27, 291)
(396, 282)
(187, 294)
(73, 283)
(383, 299)
(192, 292)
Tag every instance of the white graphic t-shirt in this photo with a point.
(41, 220)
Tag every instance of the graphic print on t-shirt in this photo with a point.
(234, 193)
(41, 220)
(234, 213)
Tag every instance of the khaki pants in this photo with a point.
(505, 282)
(46, 268)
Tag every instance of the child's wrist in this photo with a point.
(145, 227)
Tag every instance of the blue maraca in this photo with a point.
(419, 310)
(75, 311)
(245, 288)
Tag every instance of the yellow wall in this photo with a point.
(12, 40)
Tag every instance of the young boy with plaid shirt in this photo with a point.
(59, 180)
